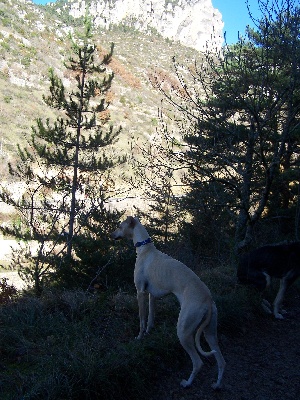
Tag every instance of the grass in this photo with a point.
(75, 345)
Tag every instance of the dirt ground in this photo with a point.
(263, 363)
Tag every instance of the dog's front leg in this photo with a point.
(151, 314)
(142, 312)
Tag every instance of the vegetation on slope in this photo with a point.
(78, 343)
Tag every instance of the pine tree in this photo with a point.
(66, 166)
(240, 123)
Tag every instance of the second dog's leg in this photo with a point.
(151, 314)
(142, 313)
(266, 306)
(279, 298)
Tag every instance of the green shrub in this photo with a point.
(71, 345)
(7, 292)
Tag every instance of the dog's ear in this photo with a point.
(131, 221)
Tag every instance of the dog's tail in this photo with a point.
(199, 333)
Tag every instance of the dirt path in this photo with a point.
(262, 364)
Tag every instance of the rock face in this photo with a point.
(195, 23)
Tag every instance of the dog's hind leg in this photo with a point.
(285, 283)
(187, 343)
(279, 298)
(186, 335)
(210, 333)
(266, 306)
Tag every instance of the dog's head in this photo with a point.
(125, 229)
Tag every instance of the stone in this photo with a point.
(195, 23)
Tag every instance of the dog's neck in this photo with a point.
(140, 236)
(143, 243)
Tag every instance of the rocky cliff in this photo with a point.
(195, 23)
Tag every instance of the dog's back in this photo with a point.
(276, 261)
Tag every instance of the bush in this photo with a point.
(72, 345)
(7, 292)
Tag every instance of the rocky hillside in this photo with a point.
(192, 22)
(33, 38)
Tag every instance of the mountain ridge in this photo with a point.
(194, 23)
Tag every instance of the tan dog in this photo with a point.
(158, 274)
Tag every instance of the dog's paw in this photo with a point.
(139, 337)
(184, 383)
(216, 386)
(278, 316)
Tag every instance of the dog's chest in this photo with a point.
(148, 279)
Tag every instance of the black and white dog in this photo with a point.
(280, 261)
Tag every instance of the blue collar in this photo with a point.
(139, 244)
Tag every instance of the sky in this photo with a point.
(234, 13)
(236, 17)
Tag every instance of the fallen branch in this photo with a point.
(100, 270)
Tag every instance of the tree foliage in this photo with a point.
(240, 124)
(65, 170)
(158, 179)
